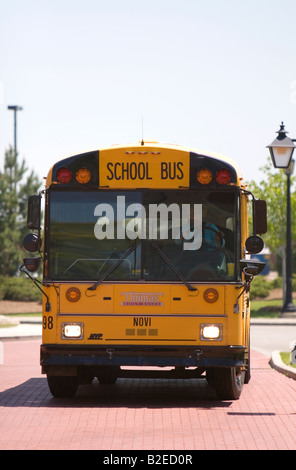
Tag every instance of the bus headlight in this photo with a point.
(72, 330)
(210, 332)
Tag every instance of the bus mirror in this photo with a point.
(254, 244)
(32, 264)
(32, 242)
(259, 216)
(251, 268)
(34, 210)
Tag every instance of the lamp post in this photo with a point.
(281, 151)
(15, 108)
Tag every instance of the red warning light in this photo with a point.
(64, 175)
(223, 176)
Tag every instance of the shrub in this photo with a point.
(2, 289)
(260, 287)
(278, 282)
(19, 288)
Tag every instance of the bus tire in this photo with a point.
(228, 382)
(64, 386)
(248, 370)
(248, 366)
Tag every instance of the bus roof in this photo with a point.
(154, 145)
(183, 148)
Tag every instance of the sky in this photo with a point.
(218, 75)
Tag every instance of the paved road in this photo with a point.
(266, 338)
(142, 414)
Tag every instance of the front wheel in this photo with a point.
(228, 382)
(61, 387)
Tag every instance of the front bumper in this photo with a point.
(54, 355)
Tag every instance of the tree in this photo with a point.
(14, 191)
(273, 189)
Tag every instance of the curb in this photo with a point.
(277, 364)
(273, 321)
(26, 328)
(20, 338)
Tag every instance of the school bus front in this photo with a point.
(142, 250)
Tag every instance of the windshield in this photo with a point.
(156, 235)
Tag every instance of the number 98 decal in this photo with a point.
(48, 322)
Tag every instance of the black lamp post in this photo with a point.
(281, 151)
(15, 108)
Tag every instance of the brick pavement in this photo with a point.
(142, 414)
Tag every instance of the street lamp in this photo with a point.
(281, 151)
(15, 108)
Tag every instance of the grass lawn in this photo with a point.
(8, 325)
(286, 357)
(266, 308)
(16, 316)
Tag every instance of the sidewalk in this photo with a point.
(273, 321)
(26, 328)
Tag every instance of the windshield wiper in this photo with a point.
(112, 268)
(176, 271)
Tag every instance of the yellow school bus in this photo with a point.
(146, 267)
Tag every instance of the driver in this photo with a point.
(212, 237)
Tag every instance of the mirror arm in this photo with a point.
(248, 193)
(47, 305)
(246, 288)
